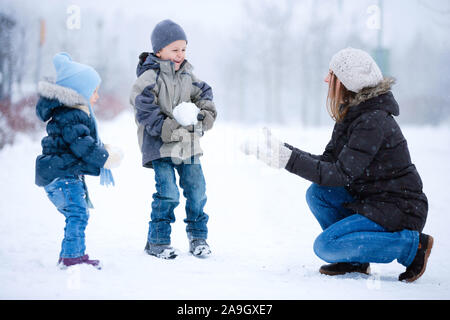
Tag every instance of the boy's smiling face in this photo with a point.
(175, 52)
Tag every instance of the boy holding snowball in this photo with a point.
(172, 110)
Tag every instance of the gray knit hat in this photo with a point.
(356, 69)
(166, 32)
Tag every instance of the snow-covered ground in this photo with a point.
(260, 230)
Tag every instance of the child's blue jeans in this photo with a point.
(166, 199)
(350, 237)
(68, 195)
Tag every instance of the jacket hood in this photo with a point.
(148, 61)
(379, 97)
(53, 96)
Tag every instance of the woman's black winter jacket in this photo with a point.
(369, 155)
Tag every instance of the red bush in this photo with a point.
(108, 106)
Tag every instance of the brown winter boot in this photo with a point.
(417, 267)
(339, 268)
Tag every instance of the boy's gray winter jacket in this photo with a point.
(158, 89)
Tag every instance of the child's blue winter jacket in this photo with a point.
(70, 149)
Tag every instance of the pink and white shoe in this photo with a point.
(64, 263)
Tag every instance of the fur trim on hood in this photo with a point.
(54, 96)
(368, 93)
(66, 96)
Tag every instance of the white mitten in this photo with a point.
(268, 149)
(115, 157)
(186, 113)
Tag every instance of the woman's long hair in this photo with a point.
(338, 98)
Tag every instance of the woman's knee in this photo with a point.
(312, 194)
(323, 248)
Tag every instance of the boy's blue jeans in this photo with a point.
(68, 195)
(350, 237)
(166, 199)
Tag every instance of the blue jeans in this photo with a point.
(350, 237)
(68, 195)
(166, 199)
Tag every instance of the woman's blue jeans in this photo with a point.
(166, 199)
(69, 197)
(350, 237)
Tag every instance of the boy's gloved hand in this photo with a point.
(181, 134)
(115, 157)
(168, 128)
(268, 149)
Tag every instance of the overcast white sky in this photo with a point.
(216, 28)
(399, 15)
(402, 17)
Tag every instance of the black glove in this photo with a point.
(200, 117)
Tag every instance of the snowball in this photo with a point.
(186, 113)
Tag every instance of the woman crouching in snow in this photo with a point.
(366, 193)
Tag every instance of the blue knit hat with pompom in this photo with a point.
(79, 77)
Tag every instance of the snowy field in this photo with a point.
(260, 229)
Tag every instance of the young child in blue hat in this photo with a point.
(171, 143)
(71, 150)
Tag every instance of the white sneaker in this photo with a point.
(199, 248)
(163, 251)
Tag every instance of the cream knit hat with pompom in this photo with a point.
(356, 69)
